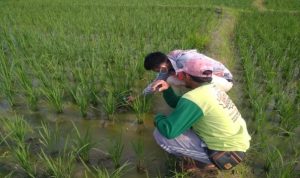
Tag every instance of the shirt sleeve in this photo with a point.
(181, 119)
(170, 97)
(160, 76)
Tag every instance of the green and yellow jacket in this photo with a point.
(210, 113)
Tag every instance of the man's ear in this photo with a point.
(180, 75)
(187, 76)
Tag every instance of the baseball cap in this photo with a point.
(198, 68)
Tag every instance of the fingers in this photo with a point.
(160, 85)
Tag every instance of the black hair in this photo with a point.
(203, 79)
(153, 60)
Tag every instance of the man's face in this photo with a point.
(162, 68)
(188, 81)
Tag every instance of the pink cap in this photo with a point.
(196, 67)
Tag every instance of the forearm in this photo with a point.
(170, 97)
(181, 119)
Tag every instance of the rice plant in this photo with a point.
(288, 119)
(31, 92)
(24, 159)
(177, 174)
(277, 166)
(99, 172)
(116, 151)
(53, 90)
(7, 68)
(109, 103)
(54, 95)
(140, 106)
(15, 128)
(14, 133)
(93, 67)
(49, 138)
(139, 149)
(82, 144)
(60, 166)
(271, 156)
(81, 98)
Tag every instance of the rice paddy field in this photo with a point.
(67, 65)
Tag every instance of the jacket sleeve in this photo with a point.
(181, 119)
(170, 97)
(161, 76)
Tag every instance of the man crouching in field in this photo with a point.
(205, 126)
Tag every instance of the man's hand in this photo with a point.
(160, 85)
(129, 99)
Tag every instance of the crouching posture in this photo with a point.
(205, 125)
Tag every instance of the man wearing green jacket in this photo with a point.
(205, 125)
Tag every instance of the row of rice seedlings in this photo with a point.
(47, 40)
(275, 57)
(116, 150)
(139, 149)
(268, 66)
(82, 144)
(7, 68)
(259, 103)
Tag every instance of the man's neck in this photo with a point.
(197, 84)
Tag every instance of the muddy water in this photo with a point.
(103, 132)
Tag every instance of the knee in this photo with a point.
(157, 136)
